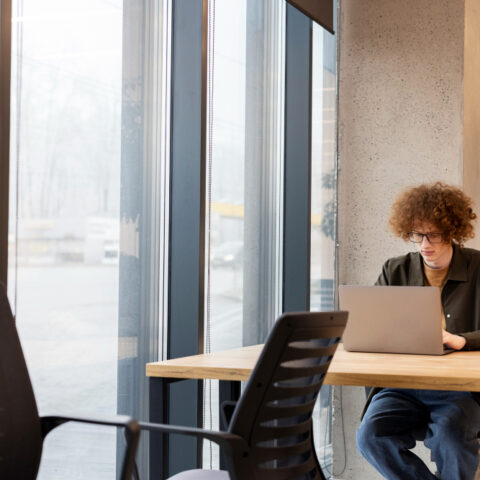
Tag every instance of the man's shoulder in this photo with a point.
(403, 270)
(470, 252)
(470, 256)
(403, 260)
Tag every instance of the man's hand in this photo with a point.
(453, 341)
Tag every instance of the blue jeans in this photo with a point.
(393, 420)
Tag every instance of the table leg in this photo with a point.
(229, 391)
(159, 410)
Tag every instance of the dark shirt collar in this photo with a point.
(458, 266)
(415, 276)
(458, 270)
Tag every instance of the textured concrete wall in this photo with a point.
(400, 116)
(400, 123)
(471, 117)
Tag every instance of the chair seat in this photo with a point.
(201, 475)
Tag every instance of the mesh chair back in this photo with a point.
(20, 430)
(274, 414)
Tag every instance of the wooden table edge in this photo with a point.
(239, 369)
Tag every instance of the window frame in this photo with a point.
(5, 73)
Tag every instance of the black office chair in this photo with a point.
(22, 431)
(270, 433)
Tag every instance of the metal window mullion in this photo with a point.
(187, 218)
(297, 176)
(165, 177)
(337, 11)
(5, 72)
(187, 183)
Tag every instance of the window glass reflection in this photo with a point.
(323, 209)
(245, 133)
(77, 126)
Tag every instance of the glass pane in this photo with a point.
(87, 171)
(245, 155)
(245, 141)
(66, 93)
(323, 208)
(323, 170)
(227, 157)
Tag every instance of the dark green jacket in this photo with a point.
(460, 294)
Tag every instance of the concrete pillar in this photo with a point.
(400, 123)
(471, 109)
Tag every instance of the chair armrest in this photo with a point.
(132, 434)
(52, 421)
(235, 447)
(224, 439)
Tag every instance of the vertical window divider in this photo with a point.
(5, 72)
(165, 179)
(297, 179)
(203, 313)
(208, 81)
(186, 255)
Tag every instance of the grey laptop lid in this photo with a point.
(392, 319)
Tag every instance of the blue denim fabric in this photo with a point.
(391, 425)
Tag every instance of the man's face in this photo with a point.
(436, 253)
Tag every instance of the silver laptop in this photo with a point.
(393, 319)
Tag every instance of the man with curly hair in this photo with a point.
(437, 219)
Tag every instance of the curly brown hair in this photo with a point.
(444, 206)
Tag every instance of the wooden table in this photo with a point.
(455, 371)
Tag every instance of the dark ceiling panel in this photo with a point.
(320, 11)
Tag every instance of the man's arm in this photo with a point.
(472, 340)
(457, 342)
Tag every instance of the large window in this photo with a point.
(86, 210)
(89, 226)
(245, 170)
(245, 133)
(244, 155)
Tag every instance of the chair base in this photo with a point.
(201, 475)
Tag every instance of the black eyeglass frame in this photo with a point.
(411, 236)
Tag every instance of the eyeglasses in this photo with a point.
(432, 237)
